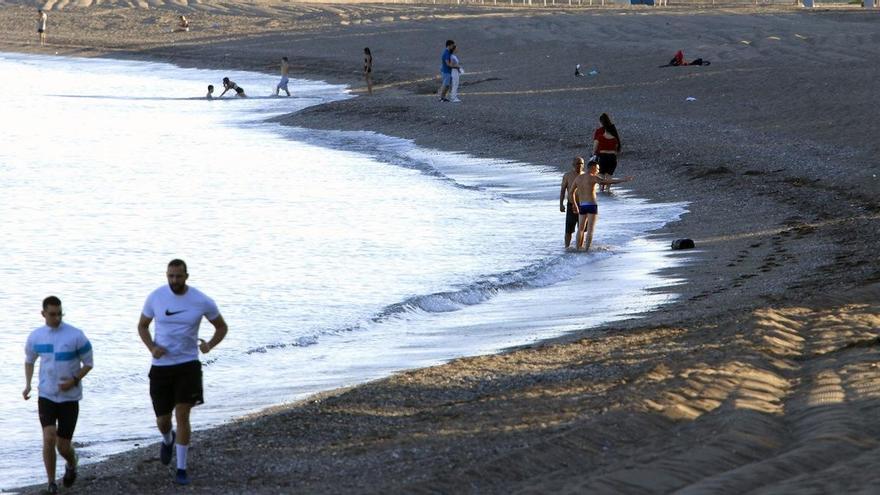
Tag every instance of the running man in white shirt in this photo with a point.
(176, 374)
(65, 359)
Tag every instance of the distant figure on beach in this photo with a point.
(182, 25)
(65, 359)
(368, 69)
(446, 70)
(606, 148)
(285, 70)
(42, 18)
(565, 192)
(583, 197)
(678, 60)
(227, 85)
(210, 94)
(457, 71)
(176, 373)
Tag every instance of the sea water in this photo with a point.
(335, 257)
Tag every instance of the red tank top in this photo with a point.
(605, 144)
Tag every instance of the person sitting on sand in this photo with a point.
(227, 85)
(210, 95)
(678, 60)
(583, 199)
(183, 25)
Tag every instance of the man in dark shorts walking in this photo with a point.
(176, 374)
(571, 216)
(65, 359)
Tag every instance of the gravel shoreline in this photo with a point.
(719, 392)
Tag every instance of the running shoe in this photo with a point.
(165, 451)
(181, 478)
(52, 488)
(70, 473)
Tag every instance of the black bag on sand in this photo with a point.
(683, 244)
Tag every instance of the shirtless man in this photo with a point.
(41, 26)
(583, 198)
(565, 191)
(285, 70)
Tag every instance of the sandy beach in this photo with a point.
(762, 377)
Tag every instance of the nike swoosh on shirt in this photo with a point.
(172, 313)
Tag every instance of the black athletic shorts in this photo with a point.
(176, 384)
(571, 219)
(63, 415)
(607, 163)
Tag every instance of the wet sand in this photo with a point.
(762, 377)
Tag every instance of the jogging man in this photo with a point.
(571, 216)
(176, 374)
(65, 359)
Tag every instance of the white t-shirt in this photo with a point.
(61, 350)
(177, 319)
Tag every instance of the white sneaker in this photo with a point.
(456, 101)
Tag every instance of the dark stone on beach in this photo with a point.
(683, 244)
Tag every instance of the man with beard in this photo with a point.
(176, 374)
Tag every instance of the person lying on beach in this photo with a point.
(227, 85)
(583, 199)
(183, 25)
(210, 95)
(678, 60)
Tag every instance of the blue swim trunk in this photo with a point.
(588, 208)
(447, 78)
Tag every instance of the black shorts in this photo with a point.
(607, 163)
(63, 415)
(571, 219)
(39, 30)
(239, 91)
(176, 384)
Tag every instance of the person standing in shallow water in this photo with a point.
(176, 373)
(65, 359)
(583, 198)
(285, 72)
(606, 148)
(368, 69)
(571, 216)
(42, 18)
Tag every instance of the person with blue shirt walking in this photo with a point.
(176, 374)
(65, 359)
(446, 70)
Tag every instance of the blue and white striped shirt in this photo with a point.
(61, 350)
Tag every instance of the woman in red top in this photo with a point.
(606, 146)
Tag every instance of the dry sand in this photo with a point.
(762, 378)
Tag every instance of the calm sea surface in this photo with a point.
(335, 257)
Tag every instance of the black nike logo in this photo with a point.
(172, 313)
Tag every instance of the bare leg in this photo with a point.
(582, 220)
(65, 448)
(164, 423)
(181, 413)
(567, 240)
(591, 224)
(49, 439)
(369, 79)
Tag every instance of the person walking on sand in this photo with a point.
(176, 373)
(446, 70)
(456, 74)
(65, 359)
(285, 71)
(606, 148)
(42, 18)
(368, 69)
(565, 191)
(227, 85)
(583, 197)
